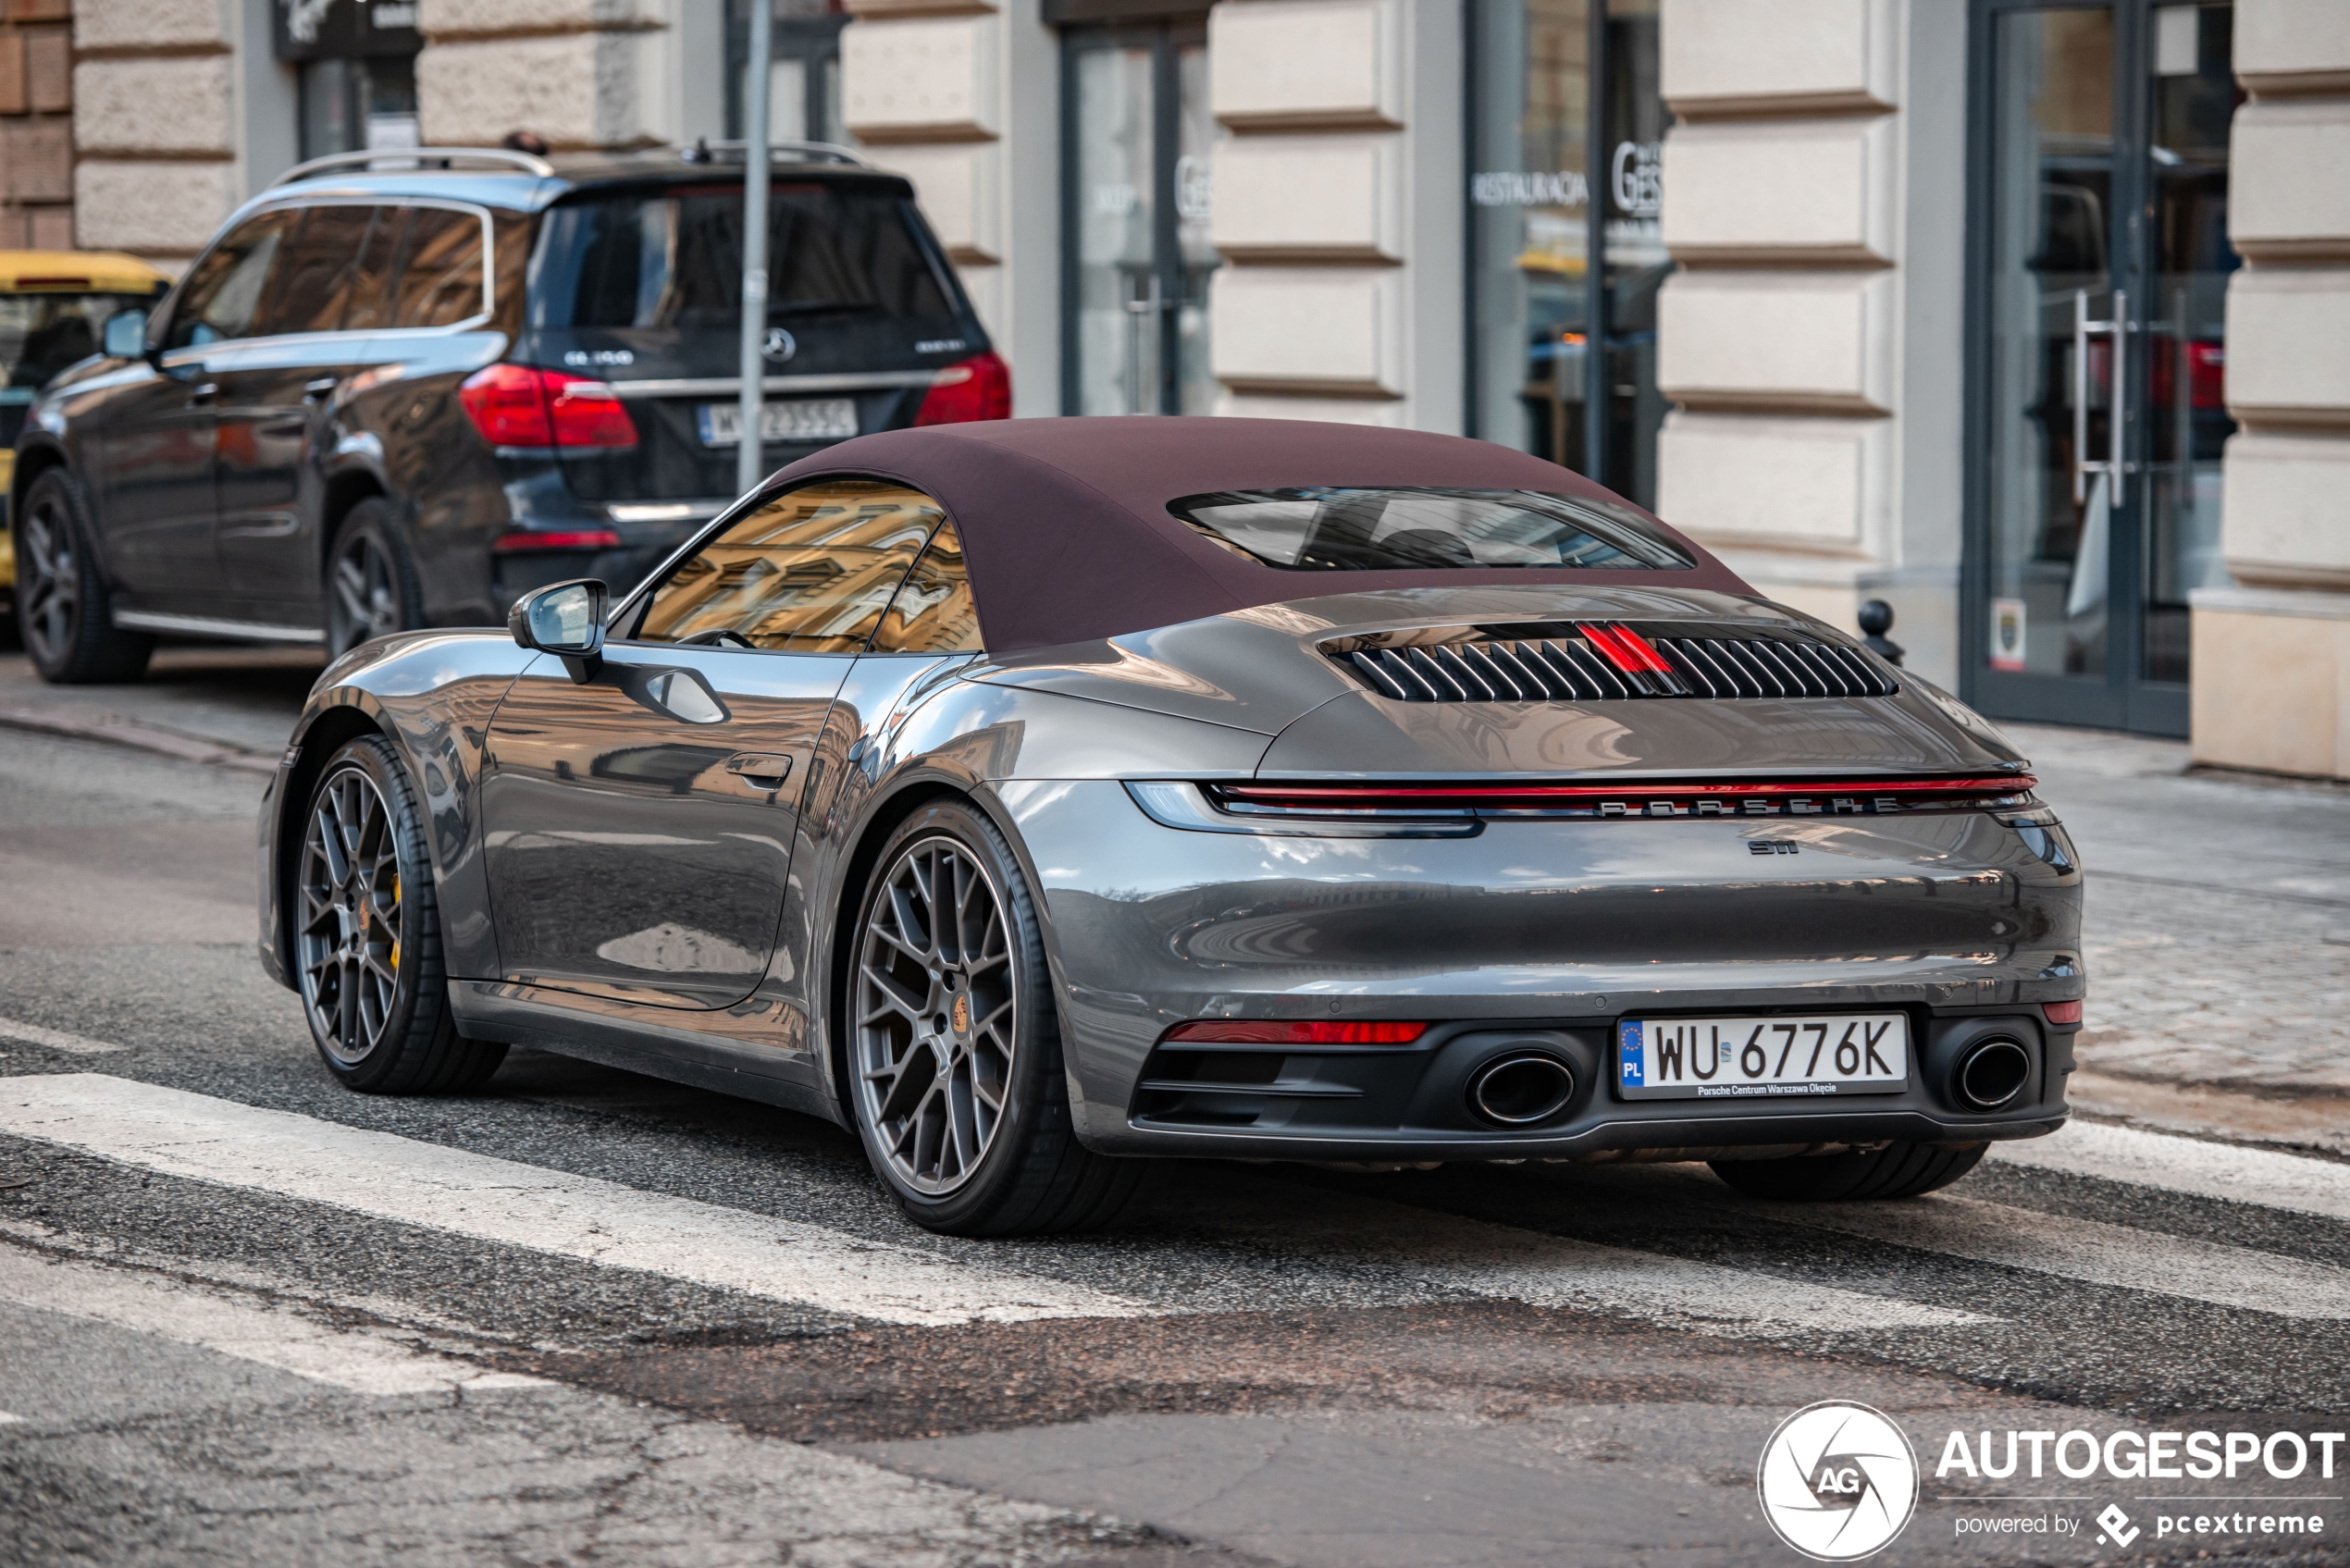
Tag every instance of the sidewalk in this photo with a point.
(2219, 905)
(2218, 929)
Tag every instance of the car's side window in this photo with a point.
(317, 280)
(440, 277)
(224, 292)
(812, 571)
(933, 611)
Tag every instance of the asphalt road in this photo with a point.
(584, 1317)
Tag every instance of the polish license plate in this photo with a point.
(1750, 1057)
(804, 419)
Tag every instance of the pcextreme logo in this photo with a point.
(1837, 1481)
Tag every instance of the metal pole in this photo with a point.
(751, 456)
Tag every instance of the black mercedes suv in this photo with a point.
(393, 397)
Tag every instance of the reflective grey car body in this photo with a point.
(1507, 930)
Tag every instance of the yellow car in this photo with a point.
(53, 305)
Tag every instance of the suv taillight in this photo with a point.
(979, 387)
(519, 406)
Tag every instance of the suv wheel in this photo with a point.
(954, 1052)
(1897, 1170)
(366, 934)
(64, 610)
(371, 586)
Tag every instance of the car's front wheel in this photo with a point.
(366, 934)
(65, 612)
(1897, 1170)
(954, 1050)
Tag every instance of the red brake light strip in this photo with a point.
(1439, 796)
(1625, 649)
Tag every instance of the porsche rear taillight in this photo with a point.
(979, 387)
(521, 405)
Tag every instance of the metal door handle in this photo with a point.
(2113, 466)
(760, 770)
(318, 390)
(197, 396)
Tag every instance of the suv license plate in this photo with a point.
(1750, 1057)
(807, 419)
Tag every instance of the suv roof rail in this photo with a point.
(705, 151)
(447, 157)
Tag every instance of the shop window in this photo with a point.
(1565, 257)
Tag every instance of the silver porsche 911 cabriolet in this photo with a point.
(1043, 796)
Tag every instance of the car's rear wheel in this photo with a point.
(955, 1061)
(371, 584)
(366, 924)
(1897, 1170)
(65, 612)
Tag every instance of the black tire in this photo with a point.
(371, 587)
(1028, 1174)
(65, 609)
(1897, 1170)
(366, 934)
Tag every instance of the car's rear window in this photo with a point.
(672, 257)
(1343, 528)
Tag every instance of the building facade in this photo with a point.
(2030, 318)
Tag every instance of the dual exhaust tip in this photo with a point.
(1528, 1087)
(1521, 1089)
(1991, 1074)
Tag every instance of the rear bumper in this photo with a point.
(1535, 935)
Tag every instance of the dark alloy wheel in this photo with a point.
(371, 588)
(954, 1051)
(367, 934)
(1897, 1170)
(64, 610)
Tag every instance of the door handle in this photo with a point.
(760, 770)
(2113, 466)
(319, 392)
(198, 397)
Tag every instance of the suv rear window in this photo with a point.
(672, 257)
(1338, 528)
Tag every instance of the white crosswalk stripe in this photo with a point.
(178, 1133)
(237, 1324)
(56, 1039)
(2193, 1166)
(2091, 1251)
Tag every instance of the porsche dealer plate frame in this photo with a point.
(1758, 1058)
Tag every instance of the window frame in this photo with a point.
(630, 611)
(301, 209)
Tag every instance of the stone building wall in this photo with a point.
(36, 125)
(1810, 339)
(2272, 653)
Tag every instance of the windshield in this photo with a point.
(1332, 528)
(674, 258)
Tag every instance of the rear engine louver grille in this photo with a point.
(1615, 664)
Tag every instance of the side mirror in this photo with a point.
(126, 335)
(566, 619)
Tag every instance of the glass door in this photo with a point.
(1137, 198)
(2097, 362)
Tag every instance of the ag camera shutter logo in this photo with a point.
(1837, 1481)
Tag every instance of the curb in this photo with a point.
(112, 729)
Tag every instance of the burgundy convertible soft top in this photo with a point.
(1067, 534)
